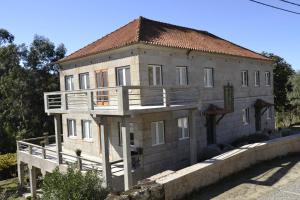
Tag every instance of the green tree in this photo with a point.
(73, 185)
(25, 74)
(294, 94)
(282, 71)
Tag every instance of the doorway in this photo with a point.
(211, 129)
(102, 96)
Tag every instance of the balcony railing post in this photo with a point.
(43, 153)
(63, 101)
(30, 149)
(166, 98)
(46, 102)
(46, 138)
(90, 100)
(123, 101)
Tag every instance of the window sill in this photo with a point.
(185, 138)
(208, 87)
(72, 137)
(157, 144)
(88, 140)
(245, 123)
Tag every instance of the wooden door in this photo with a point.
(102, 83)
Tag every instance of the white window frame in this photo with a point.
(268, 78)
(246, 115)
(131, 132)
(86, 81)
(156, 133)
(153, 68)
(245, 78)
(181, 75)
(71, 126)
(257, 78)
(86, 136)
(183, 128)
(69, 83)
(208, 77)
(124, 80)
(269, 113)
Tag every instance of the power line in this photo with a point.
(296, 4)
(275, 7)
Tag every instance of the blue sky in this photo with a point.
(77, 22)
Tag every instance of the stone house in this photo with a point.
(149, 97)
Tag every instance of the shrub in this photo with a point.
(8, 166)
(249, 139)
(73, 185)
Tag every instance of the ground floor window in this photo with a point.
(246, 116)
(71, 124)
(86, 129)
(182, 125)
(158, 133)
(131, 132)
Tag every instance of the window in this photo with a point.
(71, 124)
(244, 78)
(69, 83)
(257, 79)
(86, 129)
(181, 76)
(158, 133)
(154, 75)
(123, 76)
(131, 132)
(84, 81)
(269, 113)
(268, 78)
(208, 77)
(182, 124)
(246, 115)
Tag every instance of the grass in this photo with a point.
(10, 186)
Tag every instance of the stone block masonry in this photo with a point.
(177, 184)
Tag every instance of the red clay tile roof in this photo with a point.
(147, 31)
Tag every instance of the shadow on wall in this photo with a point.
(266, 174)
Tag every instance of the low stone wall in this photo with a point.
(175, 185)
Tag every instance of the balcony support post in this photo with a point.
(105, 153)
(32, 178)
(126, 155)
(57, 126)
(21, 170)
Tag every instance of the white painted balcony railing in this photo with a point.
(121, 100)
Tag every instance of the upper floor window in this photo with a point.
(182, 124)
(158, 133)
(123, 76)
(256, 79)
(69, 85)
(86, 129)
(71, 125)
(208, 77)
(244, 77)
(84, 81)
(246, 116)
(155, 75)
(268, 78)
(181, 76)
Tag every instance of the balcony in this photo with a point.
(123, 100)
